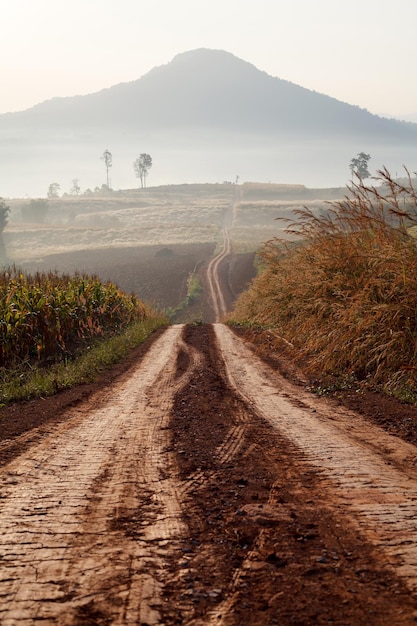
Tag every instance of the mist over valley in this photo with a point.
(213, 124)
(206, 116)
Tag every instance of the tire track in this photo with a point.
(166, 503)
(90, 515)
(361, 465)
(264, 525)
(234, 439)
(215, 289)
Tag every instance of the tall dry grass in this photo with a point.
(346, 293)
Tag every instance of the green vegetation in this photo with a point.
(345, 294)
(59, 330)
(42, 316)
(359, 165)
(53, 190)
(4, 212)
(193, 291)
(141, 167)
(35, 211)
(33, 381)
(107, 157)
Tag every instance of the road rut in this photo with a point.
(88, 515)
(372, 474)
(203, 488)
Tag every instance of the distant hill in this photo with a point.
(207, 116)
(210, 90)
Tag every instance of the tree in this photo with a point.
(359, 165)
(141, 166)
(75, 189)
(53, 190)
(4, 212)
(35, 211)
(108, 162)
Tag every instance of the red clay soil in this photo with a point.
(121, 266)
(305, 566)
(35, 415)
(395, 416)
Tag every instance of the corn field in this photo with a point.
(46, 315)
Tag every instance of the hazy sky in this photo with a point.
(362, 51)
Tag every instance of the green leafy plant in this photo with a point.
(24, 382)
(47, 316)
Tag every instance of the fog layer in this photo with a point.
(205, 117)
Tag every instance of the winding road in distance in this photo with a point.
(216, 295)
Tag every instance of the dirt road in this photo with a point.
(215, 287)
(201, 487)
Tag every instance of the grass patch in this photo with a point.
(35, 381)
(193, 291)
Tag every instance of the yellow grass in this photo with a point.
(346, 296)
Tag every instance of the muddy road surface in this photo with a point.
(200, 488)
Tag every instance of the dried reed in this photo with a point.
(346, 293)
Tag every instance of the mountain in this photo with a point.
(204, 117)
(211, 90)
(412, 117)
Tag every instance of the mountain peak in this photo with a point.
(208, 55)
(208, 110)
(211, 90)
(206, 66)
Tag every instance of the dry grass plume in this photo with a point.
(346, 293)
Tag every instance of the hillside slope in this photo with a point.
(208, 89)
(207, 116)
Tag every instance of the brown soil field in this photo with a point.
(158, 274)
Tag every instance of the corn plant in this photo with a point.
(45, 315)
